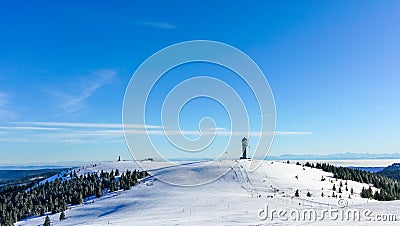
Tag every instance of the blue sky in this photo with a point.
(333, 67)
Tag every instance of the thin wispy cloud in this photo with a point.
(292, 133)
(264, 116)
(68, 132)
(157, 25)
(3, 100)
(5, 108)
(14, 140)
(212, 133)
(72, 98)
(73, 140)
(216, 129)
(89, 125)
(27, 128)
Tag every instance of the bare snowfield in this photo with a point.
(239, 197)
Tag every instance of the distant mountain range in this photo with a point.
(348, 155)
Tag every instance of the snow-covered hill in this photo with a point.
(237, 198)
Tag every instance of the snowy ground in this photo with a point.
(234, 199)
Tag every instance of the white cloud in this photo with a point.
(159, 25)
(292, 133)
(72, 140)
(90, 125)
(216, 129)
(3, 99)
(14, 140)
(112, 133)
(5, 109)
(27, 128)
(67, 132)
(72, 98)
(264, 116)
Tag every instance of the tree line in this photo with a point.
(389, 189)
(19, 202)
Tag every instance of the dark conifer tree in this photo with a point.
(99, 192)
(62, 216)
(47, 221)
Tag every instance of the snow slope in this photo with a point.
(234, 199)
